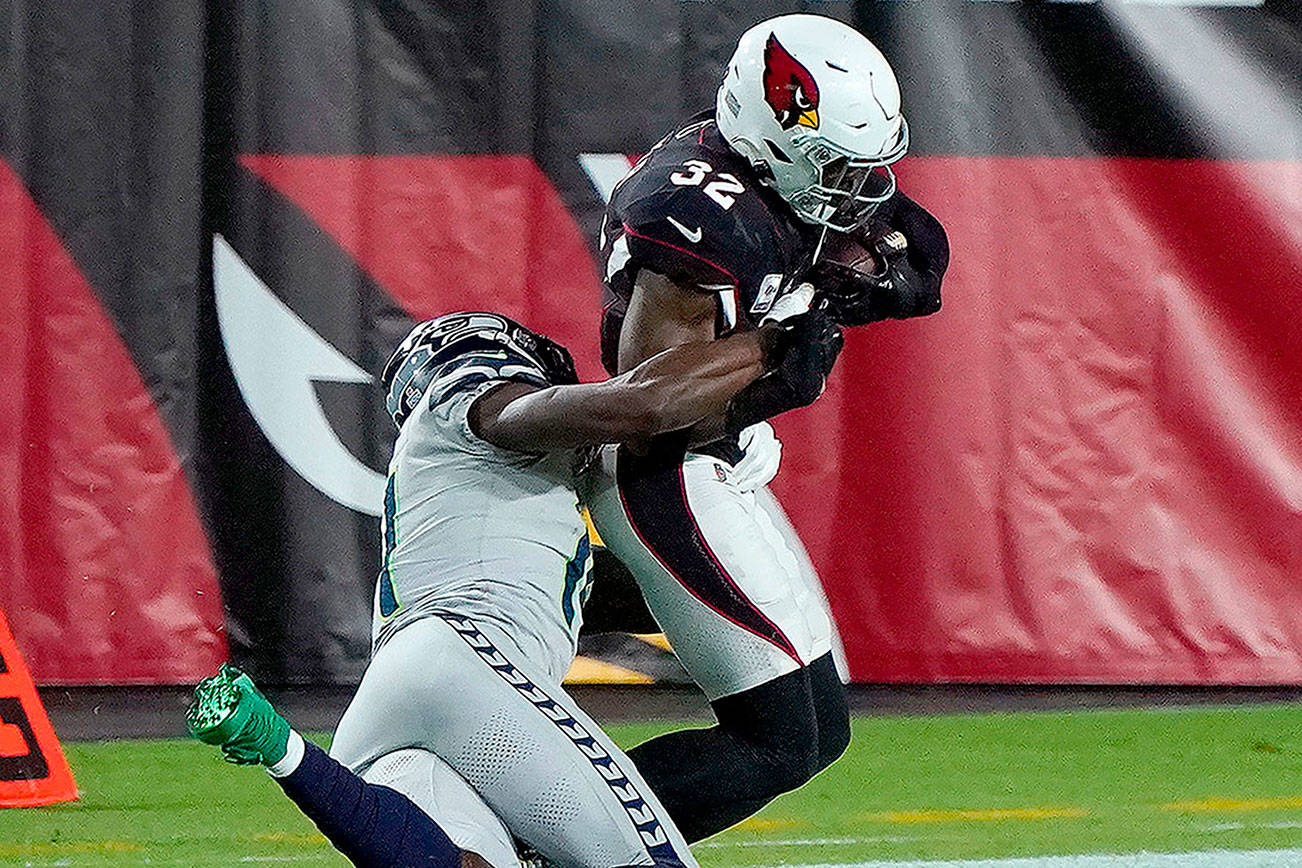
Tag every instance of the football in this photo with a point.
(850, 251)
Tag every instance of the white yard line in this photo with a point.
(1235, 826)
(1205, 859)
(809, 842)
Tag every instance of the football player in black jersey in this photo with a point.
(726, 223)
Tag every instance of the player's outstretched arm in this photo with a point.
(670, 391)
(738, 379)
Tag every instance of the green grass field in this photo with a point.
(911, 788)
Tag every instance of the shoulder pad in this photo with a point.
(694, 226)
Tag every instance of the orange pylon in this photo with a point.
(33, 770)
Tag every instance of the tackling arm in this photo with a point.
(670, 391)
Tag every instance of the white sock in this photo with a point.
(293, 756)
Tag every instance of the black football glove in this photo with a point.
(911, 253)
(799, 353)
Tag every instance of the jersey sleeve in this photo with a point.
(444, 428)
(651, 244)
(678, 232)
(694, 211)
(444, 421)
(452, 417)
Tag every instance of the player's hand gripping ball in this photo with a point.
(890, 270)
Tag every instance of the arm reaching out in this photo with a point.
(670, 391)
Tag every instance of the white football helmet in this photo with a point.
(815, 107)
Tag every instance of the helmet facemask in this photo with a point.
(849, 186)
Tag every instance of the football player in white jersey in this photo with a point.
(460, 736)
(729, 215)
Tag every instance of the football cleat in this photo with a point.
(230, 712)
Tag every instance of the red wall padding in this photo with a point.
(1088, 466)
(107, 572)
(443, 233)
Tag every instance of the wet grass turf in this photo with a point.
(909, 788)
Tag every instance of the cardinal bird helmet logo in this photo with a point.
(789, 89)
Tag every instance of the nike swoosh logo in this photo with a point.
(692, 235)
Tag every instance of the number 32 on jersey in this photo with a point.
(722, 189)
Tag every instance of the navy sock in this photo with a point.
(374, 826)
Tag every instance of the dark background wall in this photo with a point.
(216, 219)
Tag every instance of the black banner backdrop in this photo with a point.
(260, 196)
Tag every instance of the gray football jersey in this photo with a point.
(479, 531)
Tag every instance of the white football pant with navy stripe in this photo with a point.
(463, 691)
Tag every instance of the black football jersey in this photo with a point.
(694, 211)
